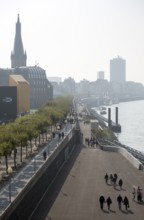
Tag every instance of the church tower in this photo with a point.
(18, 55)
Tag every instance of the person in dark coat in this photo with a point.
(111, 178)
(120, 183)
(44, 155)
(106, 177)
(139, 194)
(102, 201)
(115, 179)
(109, 202)
(126, 203)
(62, 134)
(116, 176)
(119, 200)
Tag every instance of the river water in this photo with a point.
(131, 119)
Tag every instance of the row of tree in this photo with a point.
(21, 132)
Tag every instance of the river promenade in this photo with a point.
(75, 193)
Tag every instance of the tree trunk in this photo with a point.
(26, 151)
(6, 161)
(21, 153)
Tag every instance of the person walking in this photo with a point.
(44, 155)
(106, 178)
(115, 177)
(126, 203)
(102, 201)
(139, 194)
(134, 193)
(119, 200)
(111, 178)
(109, 202)
(120, 183)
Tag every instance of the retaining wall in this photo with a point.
(135, 162)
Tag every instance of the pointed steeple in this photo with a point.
(18, 56)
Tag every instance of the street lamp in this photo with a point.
(10, 172)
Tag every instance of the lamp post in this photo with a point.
(10, 172)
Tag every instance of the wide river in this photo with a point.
(131, 119)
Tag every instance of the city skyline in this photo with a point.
(76, 38)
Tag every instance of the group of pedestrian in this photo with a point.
(108, 201)
(102, 200)
(137, 193)
(91, 142)
(61, 135)
(125, 201)
(113, 180)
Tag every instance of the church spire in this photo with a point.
(18, 56)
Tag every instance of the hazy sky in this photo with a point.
(76, 38)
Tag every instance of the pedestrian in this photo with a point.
(44, 155)
(91, 141)
(120, 183)
(111, 178)
(139, 194)
(88, 142)
(53, 134)
(62, 135)
(102, 201)
(59, 135)
(106, 178)
(134, 193)
(114, 181)
(109, 202)
(115, 176)
(119, 200)
(126, 203)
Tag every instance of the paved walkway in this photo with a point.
(76, 197)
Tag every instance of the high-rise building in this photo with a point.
(18, 55)
(117, 70)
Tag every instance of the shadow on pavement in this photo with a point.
(47, 202)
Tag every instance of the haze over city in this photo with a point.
(76, 38)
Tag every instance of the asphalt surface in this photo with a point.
(75, 193)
